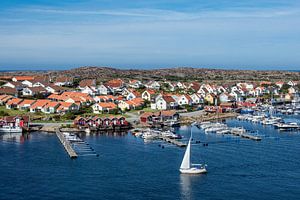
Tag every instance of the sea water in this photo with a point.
(37, 167)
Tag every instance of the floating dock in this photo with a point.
(66, 144)
(173, 141)
(245, 135)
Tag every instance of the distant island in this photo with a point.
(172, 74)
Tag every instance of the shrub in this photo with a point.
(3, 113)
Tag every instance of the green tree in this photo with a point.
(284, 89)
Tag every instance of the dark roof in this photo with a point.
(8, 90)
(39, 89)
(12, 118)
(64, 79)
(87, 82)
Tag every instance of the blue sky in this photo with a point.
(239, 34)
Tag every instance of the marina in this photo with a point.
(222, 129)
(251, 164)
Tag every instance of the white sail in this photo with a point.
(186, 163)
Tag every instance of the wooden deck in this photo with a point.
(66, 144)
(245, 135)
(173, 141)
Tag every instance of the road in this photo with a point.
(193, 114)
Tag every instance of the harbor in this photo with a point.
(222, 129)
(271, 157)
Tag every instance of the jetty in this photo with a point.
(173, 141)
(67, 145)
(245, 135)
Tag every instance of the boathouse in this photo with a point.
(159, 117)
(14, 121)
(101, 122)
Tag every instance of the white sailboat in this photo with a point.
(186, 167)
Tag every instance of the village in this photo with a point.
(116, 102)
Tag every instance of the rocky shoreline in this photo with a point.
(208, 117)
(51, 127)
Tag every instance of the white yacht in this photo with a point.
(149, 135)
(72, 137)
(10, 129)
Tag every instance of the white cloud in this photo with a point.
(159, 14)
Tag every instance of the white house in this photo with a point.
(237, 96)
(31, 91)
(102, 89)
(165, 102)
(27, 83)
(259, 91)
(40, 84)
(148, 95)
(224, 97)
(50, 107)
(91, 90)
(181, 85)
(153, 85)
(64, 81)
(220, 89)
(54, 89)
(292, 83)
(25, 104)
(103, 107)
(135, 84)
(185, 100)
(133, 95)
(196, 98)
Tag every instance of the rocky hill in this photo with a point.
(180, 73)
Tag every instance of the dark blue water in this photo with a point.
(127, 168)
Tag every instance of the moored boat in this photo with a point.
(10, 129)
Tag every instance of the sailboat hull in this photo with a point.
(193, 170)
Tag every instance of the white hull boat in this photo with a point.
(193, 170)
(186, 167)
(9, 129)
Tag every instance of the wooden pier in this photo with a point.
(173, 141)
(245, 135)
(66, 144)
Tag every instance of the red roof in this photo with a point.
(150, 91)
(24, 78)
(14, 101)
(168, 99)
(26, 102)
(40, 103)
(115, 83)
(52, 104)
(107, 105)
